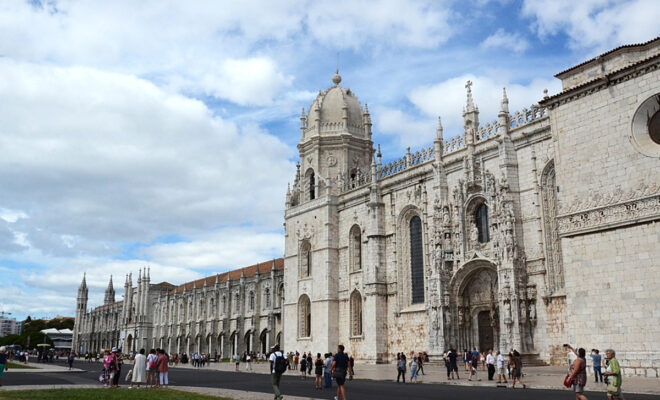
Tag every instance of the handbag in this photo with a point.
(568, 382)
(129, 376)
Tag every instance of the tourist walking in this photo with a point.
(318, 371)
(310, 363)
(237, 360)
(151, 368)
(467, 359)
(516, 371)
(613, 373)
(490, 363)
(578, 372)
(3, 362)
(597, 361)
(327, 371)
(303, 366)
(453, 363)
(413, 370)
(420, 363)
(474, 365)
(351, 364)
(338, 370)
(139, 370)
(278, 365)
(248, 361)
(401, 367)
(119, 361)
(162, 366)
(70, 359)
(501, 370)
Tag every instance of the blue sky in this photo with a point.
(163, 134)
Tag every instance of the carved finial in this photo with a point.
(470, 101)
(545, 93)
(438, 132)
(504, 105)
(366, 108)
(336, 78)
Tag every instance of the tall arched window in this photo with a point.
(224, 304)
(267, 297)
(251, 301)
(355, 248)
(356, 314)
(304, 317)
(311, 182)
(481, 220)
(416, 261)
(553, 255)
(237, 302)
(305, 259)
(212, 307)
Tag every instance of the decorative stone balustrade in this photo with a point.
(405, 162)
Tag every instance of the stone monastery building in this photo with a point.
(538, 228)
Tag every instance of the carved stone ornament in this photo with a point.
(610, 210)
(332, 160)
(304, 232)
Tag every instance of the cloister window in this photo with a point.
(311, 182)
(305, 259)
(267, 297)
(356, 314)
(251, 301)
(224, 304)
(355, 247)
(237, 302)
(304, 317)
(481, 220)
(416, 261)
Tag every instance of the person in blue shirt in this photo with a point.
(597, 361)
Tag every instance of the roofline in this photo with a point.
(607, 53)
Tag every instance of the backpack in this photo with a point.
(280, 364)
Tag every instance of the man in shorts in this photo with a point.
(338, 370)
(613, 371)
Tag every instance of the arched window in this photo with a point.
(251, 301)
(280, 295)
(355, 247)
(553, 255)
(224, 304)
(200, 313)
(312, 186)
(212, 307)
(304, 317)
(416, 261)
(356, 314)
(237, 302)
(481, 221)
(305, 259)
(267, 297)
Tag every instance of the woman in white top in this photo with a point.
(139, 369)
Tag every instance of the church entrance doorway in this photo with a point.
(486, 339)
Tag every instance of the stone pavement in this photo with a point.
(534, 377)
(41, 368)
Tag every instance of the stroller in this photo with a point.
(104, 378)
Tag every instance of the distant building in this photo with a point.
(61, 338)
(9, 326)
(223, 314)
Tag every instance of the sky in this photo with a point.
(163, 134)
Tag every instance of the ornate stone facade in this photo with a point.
(494, 210)
(221, 315)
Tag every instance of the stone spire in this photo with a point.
(503, 115)
(303, 123)
(109, 293)
(470, 115)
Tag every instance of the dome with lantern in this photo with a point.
(336, 111)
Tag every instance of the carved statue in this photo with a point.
(507, 311)
(474, 234)
(532, 311)
(445, 216)
(461, 317)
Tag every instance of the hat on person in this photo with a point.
(275, 348)
(115, 350)
(3, 349)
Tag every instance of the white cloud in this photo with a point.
(448, 98)
(405, 129)
(505, 40)
(109, 157)
(597, 24)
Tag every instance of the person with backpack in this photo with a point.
(278, 365)
(152, 376)
(338, 370)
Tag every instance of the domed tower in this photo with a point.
(335, 144)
